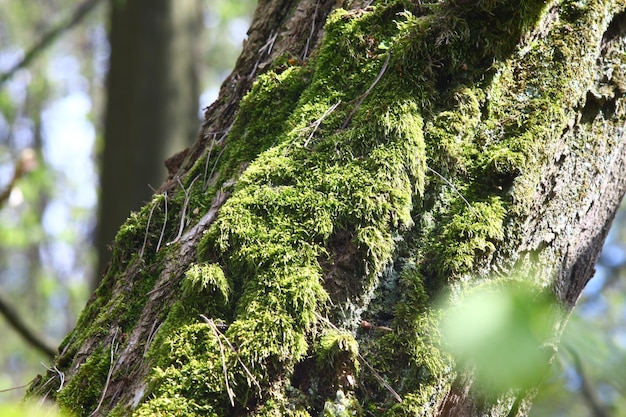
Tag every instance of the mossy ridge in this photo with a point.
(81, 395)
(271, 235)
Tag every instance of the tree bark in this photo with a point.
(358, 164)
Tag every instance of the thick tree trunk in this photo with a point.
(381, 156)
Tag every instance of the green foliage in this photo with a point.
(504, 329)
(30, 410)
(81, 394)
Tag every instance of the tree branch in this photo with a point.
(587, 389)
(36, 340)
(50, 36)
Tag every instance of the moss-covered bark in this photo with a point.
(292, 263)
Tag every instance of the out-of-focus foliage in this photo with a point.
(30, 410)
(225, 22)
(45, 223)
(588, 376)
(54, 106)
(503, 330)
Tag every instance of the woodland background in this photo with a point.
(52, 119)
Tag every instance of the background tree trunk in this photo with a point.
(152, 105)
(291, 263)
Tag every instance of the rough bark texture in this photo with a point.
(289, 265)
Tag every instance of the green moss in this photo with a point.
(82, 393)
(475, 231)
(188, 371)
(274, 408)
(206, 279)
(338, 359)
(417, 403)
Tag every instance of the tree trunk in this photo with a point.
(152, 104)
(358, 164)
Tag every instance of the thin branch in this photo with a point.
(444, 179)
(211, 323)
(319, 121)
(588, 390)
(114, 347)
(368, 91)
(25, 164)
(50, 36)
(35, 339)
(14, 388)
(231, 393)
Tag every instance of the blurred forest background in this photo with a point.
(94, 96)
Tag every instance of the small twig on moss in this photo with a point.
(312, 32)
(379, 377)
(444, 179)
(316, 124)
(214, 166)
(211, 323)
(114, 348)
(183, 213)
(368, 91)
(164, 223)
(231, 393)
(265, 49)
(59, 373)
(145, 238)
(153, 331)
(205, 181)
